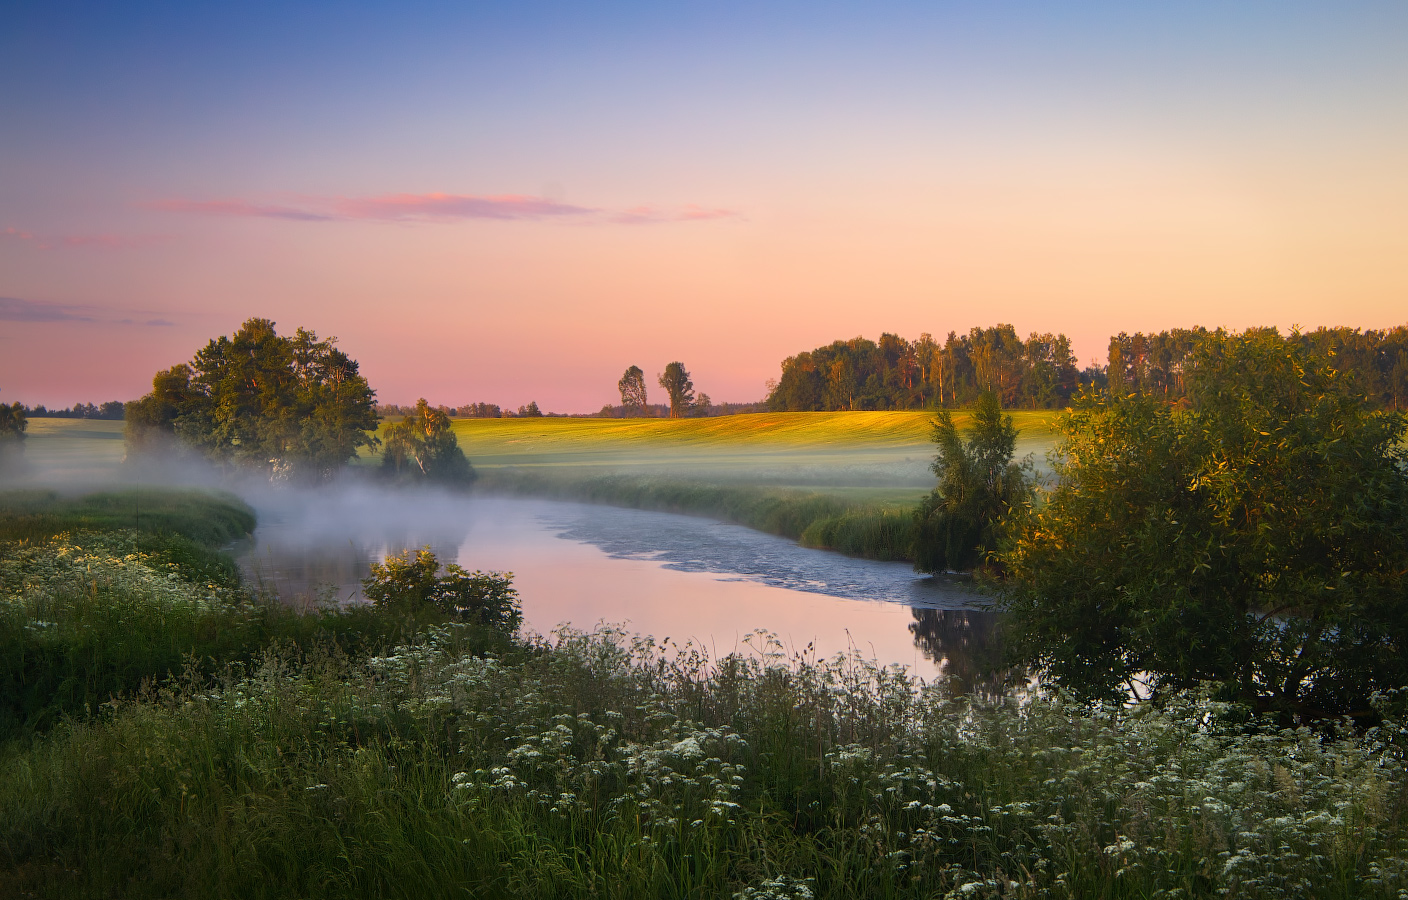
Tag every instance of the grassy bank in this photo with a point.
(92, 608)
(826, 521)
(593, 766)
(842, 481)
(200, 742)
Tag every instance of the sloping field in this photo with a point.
(842, 448)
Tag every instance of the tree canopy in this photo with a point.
(422, 446)
(677, 384)
(895, 373)
(257, 399)
(1255, 536)
(12, 427)
(979, 485)
(632, 387)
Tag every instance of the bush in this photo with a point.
(481, 598)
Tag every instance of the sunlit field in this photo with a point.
(869, 457)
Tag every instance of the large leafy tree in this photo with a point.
(258, 399)
(677, 384)
(632, 387)
(978, 485)
(422, 446)
(1257, 538)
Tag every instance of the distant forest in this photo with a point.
(1153, 364)
(1041, 371)
(652, 410)
(113, 409)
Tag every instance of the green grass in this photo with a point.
(91, 608)
(842, 481)
(164, 733)
(595, 766)
(209, 518)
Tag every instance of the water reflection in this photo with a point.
(967, 646)
(658, 573)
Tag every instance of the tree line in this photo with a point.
(1156, 364)
(894, 373)
(113, 409)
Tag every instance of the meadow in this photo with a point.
(180, 735)
(843, 481)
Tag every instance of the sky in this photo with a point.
(512, 202)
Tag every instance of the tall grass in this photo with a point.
(207, 518)
(213, 745)
(595, 765)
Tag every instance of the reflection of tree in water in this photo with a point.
(967, 645)
(304, 575)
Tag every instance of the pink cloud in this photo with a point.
(437, 207)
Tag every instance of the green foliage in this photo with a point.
(979, 485)
(13, 423)
(1256, 539)
(210, 519)
(422, 446)
(894, 373)
(883, 534)
(632, 388)
(1156, 363)
(256, 399)
(680, 389)
(487, 599)
(593, 765)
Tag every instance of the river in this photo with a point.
(683, 577)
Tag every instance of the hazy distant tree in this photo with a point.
(423, 446)
(531, 410)
(701, 404)
(675, 380)
(632, 387)
(151, 421)
(12, 427)
(258, 399)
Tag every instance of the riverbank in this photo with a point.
(843, 481)
(375, 752)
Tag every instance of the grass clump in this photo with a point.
(205, 518)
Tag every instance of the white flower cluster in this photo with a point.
(46, 580)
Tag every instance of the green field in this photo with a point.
(842, 481)
(66, 450)
(874, 456)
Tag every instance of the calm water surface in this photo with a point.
(682, 577)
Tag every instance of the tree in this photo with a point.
(13, 423)
(632, 387)
(1255, 539)
(423, 446)
(260, 400)
(675, 381)
(531, 410)
(483, 598)
(979, 485)
(151, 421)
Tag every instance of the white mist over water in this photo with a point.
(684, 577)
(666, 575)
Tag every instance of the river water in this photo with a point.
(683, 577)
